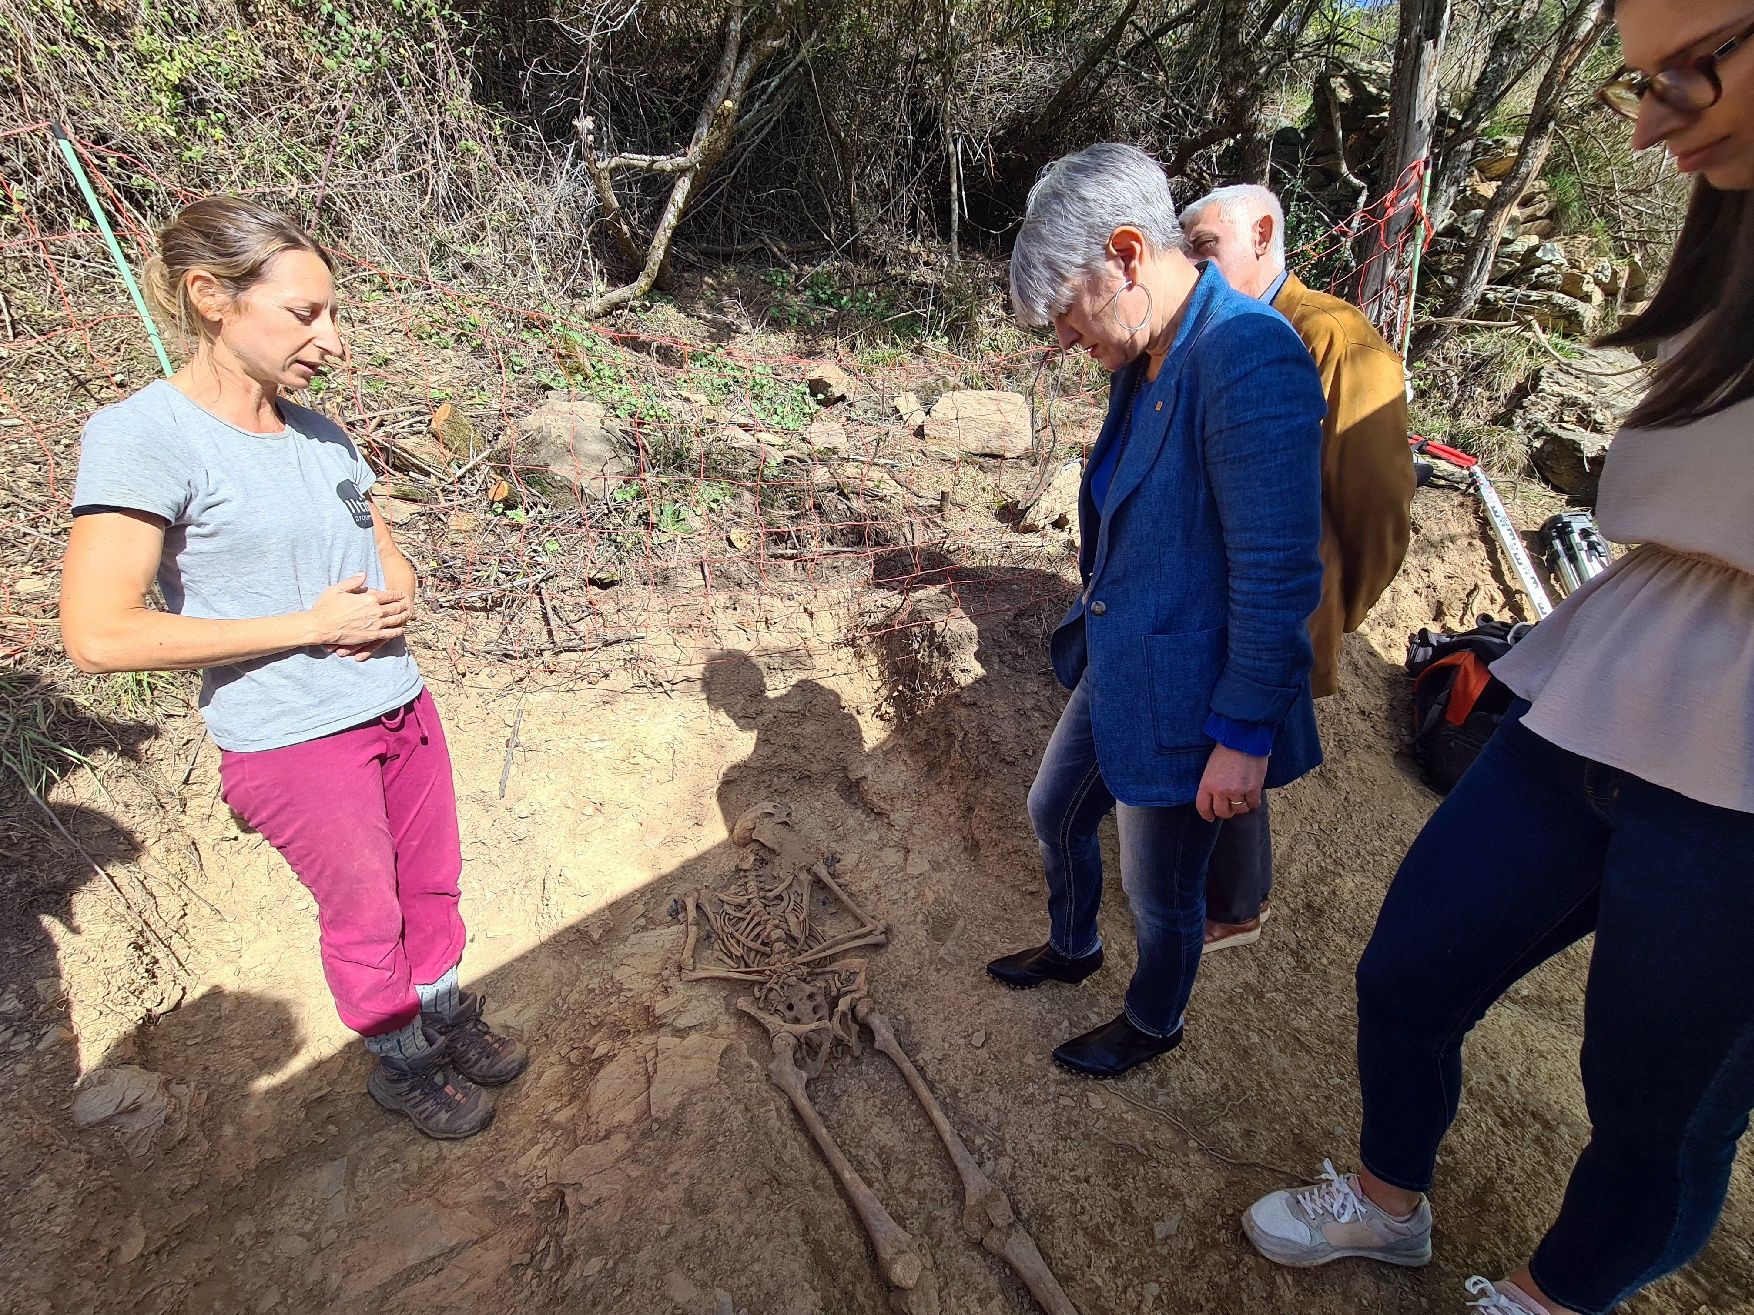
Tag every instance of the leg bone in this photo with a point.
(901, 1264)
(987, 1214)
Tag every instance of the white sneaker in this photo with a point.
(1313, 1225)
(1511, 1300)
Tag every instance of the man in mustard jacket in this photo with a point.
(1367, 490)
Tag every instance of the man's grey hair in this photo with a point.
(1073, 209)
(1242, 205)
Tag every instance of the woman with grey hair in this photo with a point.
(1185, 651)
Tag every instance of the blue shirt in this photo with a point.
(1106, 455)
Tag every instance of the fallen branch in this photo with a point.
(720, 113)
(511, 747)
(581, 646)
(1199, 1143)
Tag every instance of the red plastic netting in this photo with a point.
(563, 489)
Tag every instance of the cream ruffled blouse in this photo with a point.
(1649, 667)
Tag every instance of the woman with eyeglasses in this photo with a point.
(1617, 798)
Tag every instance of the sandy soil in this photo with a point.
(645, 1164)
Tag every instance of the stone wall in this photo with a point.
(1573, 285)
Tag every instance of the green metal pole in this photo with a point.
(103, 223)
(1418, 251)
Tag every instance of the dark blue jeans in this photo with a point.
(1240, 877)
(1535, 849)
(1164, 852)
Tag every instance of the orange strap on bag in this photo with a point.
(1471, 679)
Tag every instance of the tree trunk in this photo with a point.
(947, 46)
(717, 124)
(1516, 47)
(1577, 36)
(1413, 112)
(1046, 119)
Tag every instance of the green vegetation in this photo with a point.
(750, 386)
(31, 745)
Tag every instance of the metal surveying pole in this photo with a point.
(1506, 533)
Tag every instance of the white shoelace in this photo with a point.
(1332, 1196)
(1492, 1299)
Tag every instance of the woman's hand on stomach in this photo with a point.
(354, 620)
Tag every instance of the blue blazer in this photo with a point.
(1200, 575)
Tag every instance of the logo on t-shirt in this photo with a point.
(361, 509)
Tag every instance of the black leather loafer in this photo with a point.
(1113, 1048)
(1029, 968)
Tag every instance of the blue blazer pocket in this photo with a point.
(1182, 669)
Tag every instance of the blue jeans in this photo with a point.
(1164, 852)
(1535, 849)
(1240, 877)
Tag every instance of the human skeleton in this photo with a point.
(812, 1002)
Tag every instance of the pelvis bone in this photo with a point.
(814, 1002)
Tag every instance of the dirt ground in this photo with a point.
(223, 1156)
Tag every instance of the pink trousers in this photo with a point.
(367, 819)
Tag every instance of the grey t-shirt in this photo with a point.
(258, 525)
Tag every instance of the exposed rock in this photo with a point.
(1496, 157)
(598, 1172)
(1550, 254)
(1553, 311)
(1608, 276)
(1513, 257)
(1571, 460)
(828, 383)
(144, 1109)
(620, 1094)
(689, 1007)
(1576, 283)
(827, 435)
(684, 1065)
(395, 511)
(1543, 278)
(981, 423)
(1057, 506)
(931, 389)
(647, 958)
(1537, 208)
(410, 1236)
(1572, 409)
(758, 446)
(576, 440)
(909, 408)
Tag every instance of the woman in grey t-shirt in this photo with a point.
(285, 588)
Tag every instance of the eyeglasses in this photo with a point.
(1691, 87)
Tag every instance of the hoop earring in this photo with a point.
(1135, 328)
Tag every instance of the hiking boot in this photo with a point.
(440, 1101)
(1506, 1300)
(1312, 1225)
(476, 1051)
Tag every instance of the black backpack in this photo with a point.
(1457, 702)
